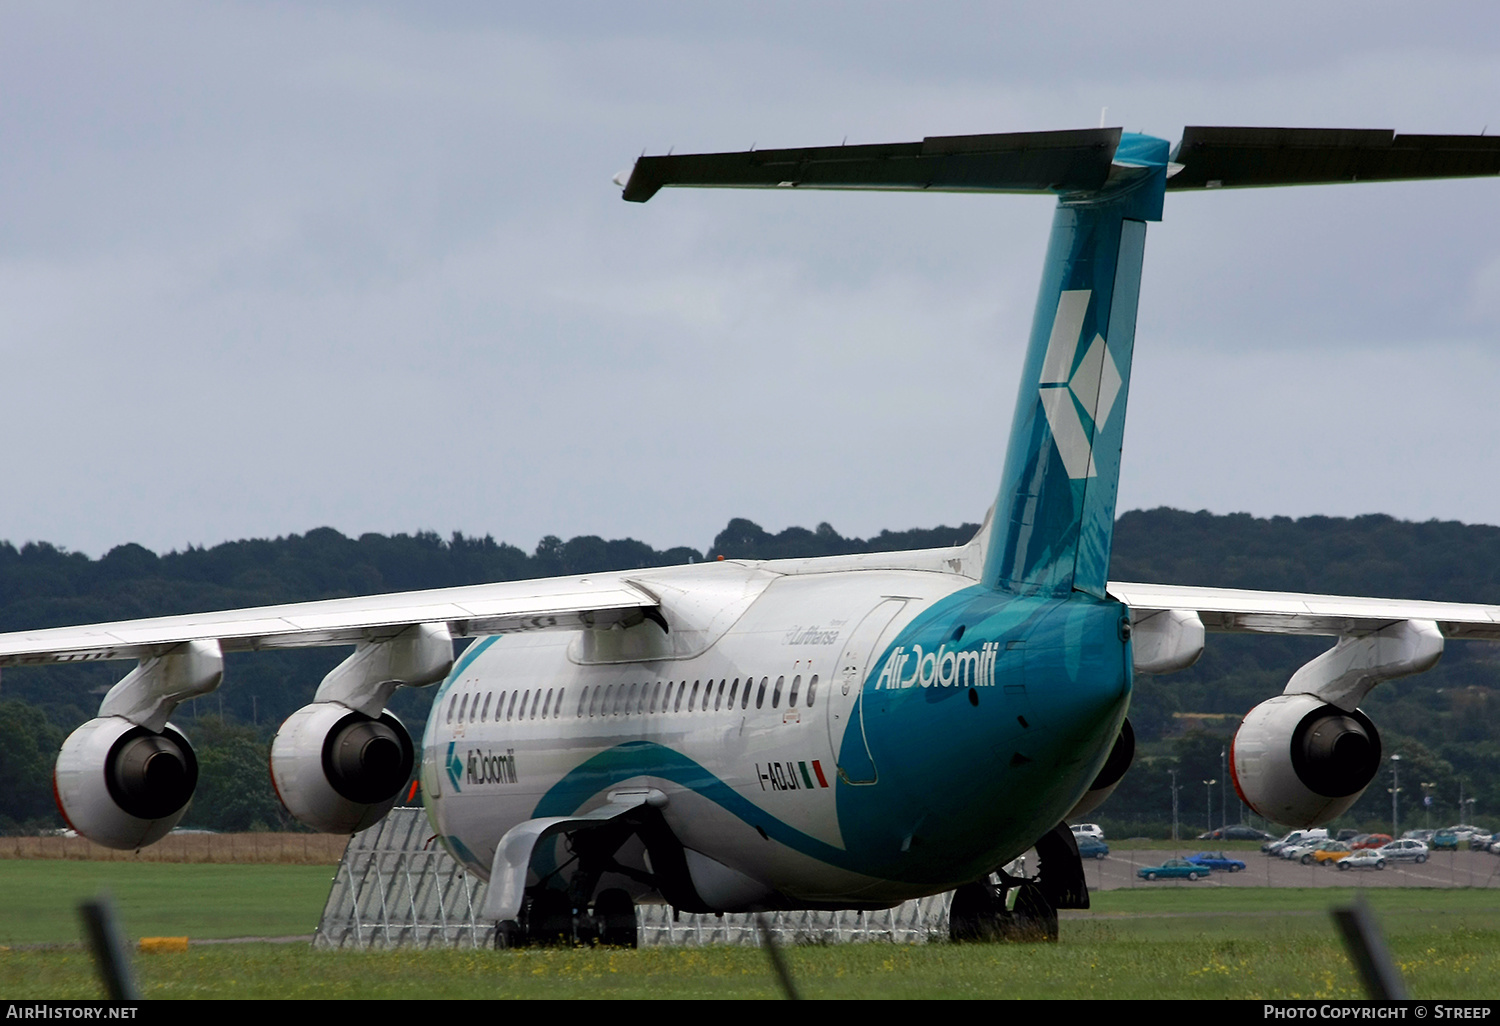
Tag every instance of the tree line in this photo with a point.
(1446, 723)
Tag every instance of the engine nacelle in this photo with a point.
(1110, 775)
(1300, 761)
(122, 785)
(337, 770)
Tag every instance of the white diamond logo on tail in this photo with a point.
(1095, 385)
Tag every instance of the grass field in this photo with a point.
(1176, 942)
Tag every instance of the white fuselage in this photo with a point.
(755, 682)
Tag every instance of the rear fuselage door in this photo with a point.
(846, 733)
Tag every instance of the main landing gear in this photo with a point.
(1004, 907)
(550, 919)
(554, 916)
(1012, 910)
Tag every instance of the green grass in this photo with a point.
(1176, 942)
(161, 898)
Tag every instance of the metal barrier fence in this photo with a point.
(395, 887)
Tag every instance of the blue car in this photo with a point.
(1174, 869)
(1217, 860)
(1091, 847)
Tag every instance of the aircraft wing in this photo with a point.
(509, 607)
(1283, 612)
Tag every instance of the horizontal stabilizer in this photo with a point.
(1234, 158)
(1046, 162)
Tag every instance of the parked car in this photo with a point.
(1328, 851)
(1405, 850)
(1217, 860)
(1088, 830)
(1174, 869)
(1091, 847)
(1419, 835)
(1295, 837)
(1349, 836)
(1444, 840)
(1365, 858)
(1370, 841)
(1483, 842)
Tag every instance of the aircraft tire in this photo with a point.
(508, 935)
(614, 913)
(975, 913)
(550, 919)
(1033, 919)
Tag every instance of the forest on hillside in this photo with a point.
(1446, 723)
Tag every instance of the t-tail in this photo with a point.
(1054, 516)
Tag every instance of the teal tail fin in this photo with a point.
(1054, 516)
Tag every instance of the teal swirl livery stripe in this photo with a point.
(634, 759)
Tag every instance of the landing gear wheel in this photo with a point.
(614, 913)
(975, 913)
(1032, 918)
(550, 919)
(508, 934)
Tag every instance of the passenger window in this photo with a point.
(677, 703)
(776, 694)
(791, 700)
(693, 698)
(536, 701)
(760, 695)
(557, 709)
(452, 704)
(594, 702)
(745, 696)
(605, 707)
(812, 689)
(719, 695)
(463, 707)
(734, 690)
(583, 700)
(655, 695)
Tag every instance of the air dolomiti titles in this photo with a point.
(943, 669)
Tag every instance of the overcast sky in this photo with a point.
(269, 267)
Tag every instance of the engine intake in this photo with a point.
(1300, 761)
(340, 771)
(122, 785)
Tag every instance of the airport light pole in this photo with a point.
(1224, 787)
(1174, 803)
(1395, 791)
(1208, 801)
(1427, 786)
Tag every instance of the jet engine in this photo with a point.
(123, 785)
(337, 770)
(1300, 761)
(1110, 774)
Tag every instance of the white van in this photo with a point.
(1295, 838)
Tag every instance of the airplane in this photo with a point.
(834, 733)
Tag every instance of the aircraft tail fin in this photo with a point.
(1054, 516)
(1053, 521)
